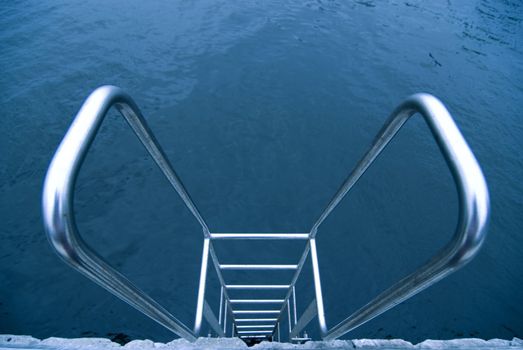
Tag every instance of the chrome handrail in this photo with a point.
(474, 206)
(57, 201)
(59, 221)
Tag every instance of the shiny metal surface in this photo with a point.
(258, 267)
(297, 274)
(221, 307)
(305, 319)
(201, 288)
(253, 336)
(255, 331)
(474, 207)
(211, 319)
(259, 236)
(58, 193)
(240, 320)
(289, 315)
(294, 304)
(61, 229)
(225, 319)
(317, 288)
(257, 286)
(256, 311)
(228, 308)
(256, 301)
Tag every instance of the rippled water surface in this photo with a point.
(263, 108)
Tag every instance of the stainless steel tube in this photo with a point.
(474, 206)
(58, 193)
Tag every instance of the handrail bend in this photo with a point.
(58, 193)
(474, 206)
(60, 225)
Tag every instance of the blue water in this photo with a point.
(263, 108)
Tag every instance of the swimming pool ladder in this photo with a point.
(264, 317)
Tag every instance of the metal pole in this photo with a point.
(317, 287)
(57, 200)
(289, 314)
(294, 304)
(303, 258)
(201, 288)
(474, 206)
(225, 317)
(221, 305)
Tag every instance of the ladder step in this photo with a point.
(259, 236)
(255, 332)
(257, 326)
(257, 301)
(257, 286)
(253, 336)
(257, 267)
(255, 320)
(237, 312)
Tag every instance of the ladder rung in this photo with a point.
(257, 267)
(256, 312)
(253, 336)
(258, 286)
(255, 332)
(256, 320)
(257, 301)
(259, 236)
(256, 326)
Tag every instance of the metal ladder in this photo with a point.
(265, 316)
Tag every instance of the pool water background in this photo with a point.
(263, 109)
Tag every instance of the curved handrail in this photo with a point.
(57, 200)
(60, 225)
(474, 206)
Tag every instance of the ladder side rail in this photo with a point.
(221, 306)
(289, 316)
(198, 318)
(58, 194)
(228, 306)
(225, 318)
(294, 304)
(303, 258)
(317, 288)
(474, 206)
(211, 319)
(305, 319)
